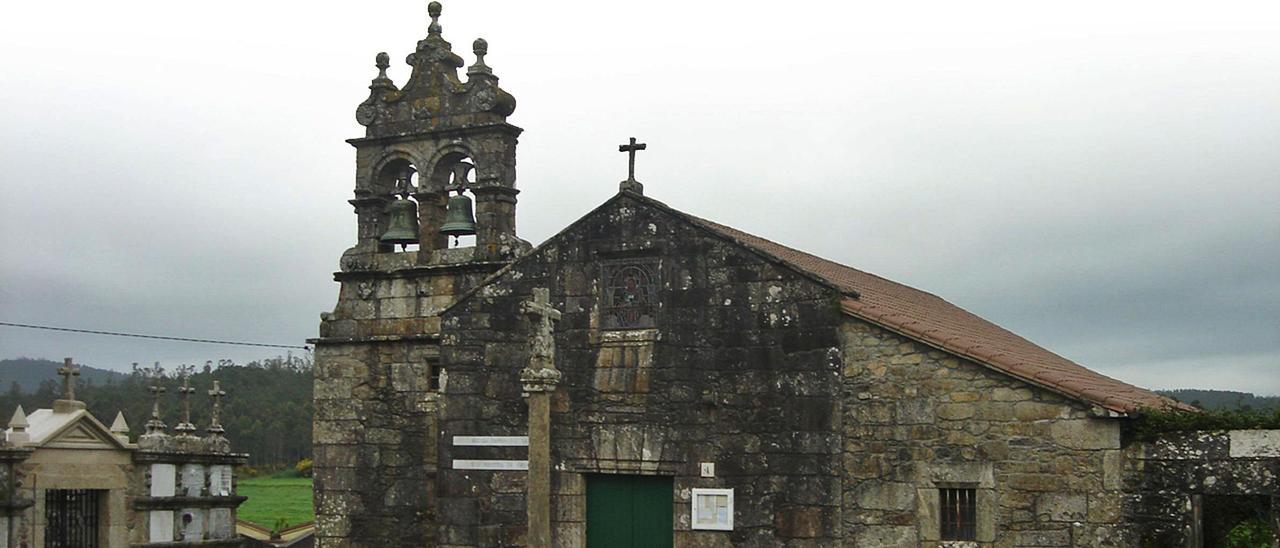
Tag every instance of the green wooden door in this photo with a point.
(629, 511)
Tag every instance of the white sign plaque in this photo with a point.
(467, 464)
(492, 441)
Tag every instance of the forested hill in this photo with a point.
(267, 410)
(1223, 399)
(28, 373)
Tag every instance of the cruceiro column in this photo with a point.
(539, 383)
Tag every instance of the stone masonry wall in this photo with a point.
(1180, 480)
(915, 419)
(740, 368)
(374, 428)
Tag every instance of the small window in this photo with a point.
(433, 375)
(958, 511)
(713, 509)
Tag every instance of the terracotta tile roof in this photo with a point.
(929, 319)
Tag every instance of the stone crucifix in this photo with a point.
(631, 183)
(68, 371)
(543, 342)
(216, 442)
(539, 381)
(155, 436)
(185, 428)
(216, 394)
(155, 390)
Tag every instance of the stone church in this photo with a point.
(647, 377)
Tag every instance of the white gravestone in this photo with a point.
(220, 480)
(163, 479)
(161, 525)
(192, 480)
(220, 525)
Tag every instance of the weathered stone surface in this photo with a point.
(750, 384)
(1254, 443)
(1061, 507)
(876, 495)
(1015, 444)
(1167, 478)
(1086, 434)
(887, 536)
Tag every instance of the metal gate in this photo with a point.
(71, 518)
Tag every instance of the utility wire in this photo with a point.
(139, 336)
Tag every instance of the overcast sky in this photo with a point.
(1102, 178)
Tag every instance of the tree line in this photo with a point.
(266, 412)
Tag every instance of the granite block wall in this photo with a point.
(1190, 488)
(739, 367)
(1046, 471)
(376, 372)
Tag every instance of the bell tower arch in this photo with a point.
(437, 160)
(434, 122)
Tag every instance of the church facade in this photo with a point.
(650, 378)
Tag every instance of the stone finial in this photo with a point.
(433, 10)
(18, 428)
(382, 81)
(481, 48)
(120, 428)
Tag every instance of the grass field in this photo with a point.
(272, 498)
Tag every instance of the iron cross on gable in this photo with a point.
(631, 149)
(68, 370)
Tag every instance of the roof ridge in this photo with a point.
(724, 227)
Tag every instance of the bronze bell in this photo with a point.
(458, 218)
(402, 225)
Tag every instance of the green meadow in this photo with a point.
(272, 499)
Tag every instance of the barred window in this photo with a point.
(433, 375)
(958, 511)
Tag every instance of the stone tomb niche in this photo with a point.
(163, 484)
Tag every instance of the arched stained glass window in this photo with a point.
(630, 295)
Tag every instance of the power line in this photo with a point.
(140, 336)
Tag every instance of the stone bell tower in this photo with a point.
(377, 372)
(433, 129)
